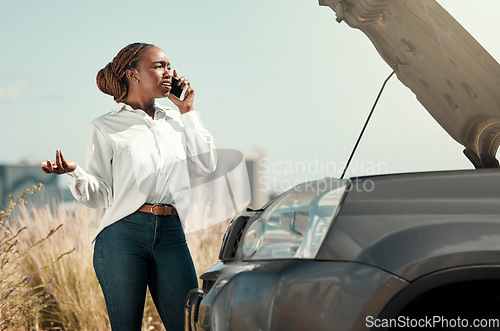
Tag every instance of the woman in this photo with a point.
(138, 160)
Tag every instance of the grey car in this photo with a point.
(386, 252)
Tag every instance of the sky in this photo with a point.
(279, 77)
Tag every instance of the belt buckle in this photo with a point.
(153, 207)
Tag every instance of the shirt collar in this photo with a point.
(123, 106)
(120, 106)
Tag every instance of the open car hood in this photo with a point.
(451, 74)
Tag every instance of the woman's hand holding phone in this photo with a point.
(181, 94)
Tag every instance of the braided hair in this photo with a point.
(112, 79)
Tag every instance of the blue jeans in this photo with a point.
(138, 251)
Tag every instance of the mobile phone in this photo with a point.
(178, 91)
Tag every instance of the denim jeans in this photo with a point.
(138, 251)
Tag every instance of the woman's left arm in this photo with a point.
(201, 154)
(200, 148)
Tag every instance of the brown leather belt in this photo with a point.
(158, 209)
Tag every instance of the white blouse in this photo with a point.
(132, 159)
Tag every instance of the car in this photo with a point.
(388, 251)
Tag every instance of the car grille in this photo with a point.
(232, 238)
(207, 285)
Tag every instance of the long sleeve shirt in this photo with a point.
(131, 159)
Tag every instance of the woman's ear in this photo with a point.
(131, 75)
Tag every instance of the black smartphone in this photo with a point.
(178, 91)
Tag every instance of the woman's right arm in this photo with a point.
(93, 187)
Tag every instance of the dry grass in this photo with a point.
(78, 301)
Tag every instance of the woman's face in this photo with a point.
(153, 73)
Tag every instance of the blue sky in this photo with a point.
(271, 75)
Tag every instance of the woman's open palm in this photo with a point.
(59, 166)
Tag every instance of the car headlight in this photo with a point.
(295, 224)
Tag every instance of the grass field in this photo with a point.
(74, 298)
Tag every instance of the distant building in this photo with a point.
(258, 188)
(16, 179)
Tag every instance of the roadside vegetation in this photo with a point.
(47, 278)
